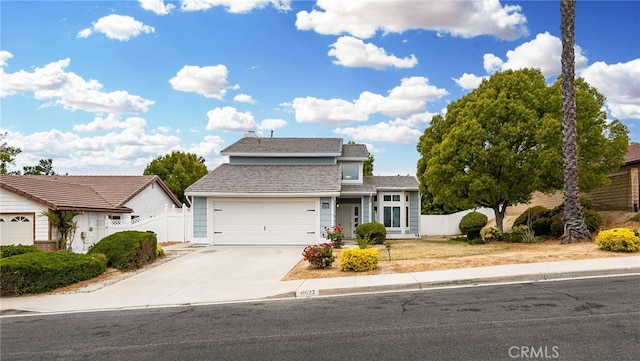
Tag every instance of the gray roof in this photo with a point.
(232, 178)
(355, 151)
(285, 146)
(367, 187)
(395, 182)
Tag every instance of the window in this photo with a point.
(375, 213)
(20, 219)
(350, 171)
(406, 217)
(391, 217)
(375, 197)
(391, 198)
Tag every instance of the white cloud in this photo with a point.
(469, 81)
(209, 148)
(329, 112)
(209, 81)
(244, 98)
(352, 52)
(381, 132)
(119, 27)
(543, 52)
(54, 84)
(127, 148)
(492, 63)
(234, 6)
(230, 119)
(111, 121)
(620, 84)
(272, 124)
(415, 120)
(459, 18)
(157, 6)
(408, 98)
(4, 56)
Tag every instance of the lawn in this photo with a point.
(430, 255)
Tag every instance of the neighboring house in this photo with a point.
(283, 191)
(24, 198)
(623, 194)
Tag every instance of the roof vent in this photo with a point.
(250, 134)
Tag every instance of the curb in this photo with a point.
(416, 286)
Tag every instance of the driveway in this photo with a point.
(205, 274)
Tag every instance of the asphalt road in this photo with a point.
(589, 319)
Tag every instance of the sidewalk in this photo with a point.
(209, 275)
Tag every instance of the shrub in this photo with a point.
(364, 242)
(16, 249)
(159, 252)
(538, 218)
(127, 250)
(319, 255)
(592, 219)
(335, 236)
(618, 239)
(490, 234)
(36, 272)
(472, 223)
(636, 217)
(375, 231)
(359, 260)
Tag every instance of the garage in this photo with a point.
(16, 228)
(288, 221)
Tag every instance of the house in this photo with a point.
(24, 198)
(285, 191)
(623, 194)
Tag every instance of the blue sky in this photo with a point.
(104, 87)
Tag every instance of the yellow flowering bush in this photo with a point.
(359, 260)
(618, 239)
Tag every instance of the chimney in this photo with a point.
(250, 134)
(272, 134)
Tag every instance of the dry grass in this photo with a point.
(418, 256)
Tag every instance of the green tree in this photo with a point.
(7, 155)
(498, 144)
(178, 170)
(44, 167)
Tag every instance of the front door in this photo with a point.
(349, 218)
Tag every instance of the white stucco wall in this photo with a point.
(151, 199)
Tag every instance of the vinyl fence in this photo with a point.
(170, 224)
(447, 225)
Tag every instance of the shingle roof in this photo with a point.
(367, 187)
(633, 155)
(395, 182)
(355, 151)
(82, 192)
(231, 178)
(285, 146)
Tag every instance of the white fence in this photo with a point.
(170, 224)
(447, 225)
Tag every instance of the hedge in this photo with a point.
(357, 259)
(37, 272)
(16, 249)
(127, 250)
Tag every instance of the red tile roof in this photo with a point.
(98, 193)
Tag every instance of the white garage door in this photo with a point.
(265, 221)
(16, 229)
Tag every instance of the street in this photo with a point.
(586, 319)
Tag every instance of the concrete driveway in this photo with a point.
(202, 275)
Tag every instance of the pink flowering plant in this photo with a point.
(334, 235)
(319, 255)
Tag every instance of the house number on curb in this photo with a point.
(307, 293)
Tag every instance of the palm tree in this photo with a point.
(575, 229)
